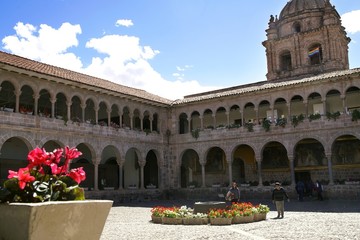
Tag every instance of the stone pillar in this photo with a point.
(343, 98)
(256, 121)
(214, 119)
(120, 176)
(96, 176)
(289, 112)
(17, 100)
(230, 172)
(227, 118)
(68, 114)
(142, 165)
(189, 125)
(96, 110)
(141, 117)
(151, 123)
(131, 121)
(201, 122)
(292, 171)
(108, 111)
(53, 101)
(36, 103)
(120, 118)
(328, 158)
(83, 106)
(203, 184)
(306, 108)
(258, 160)
(324, 107)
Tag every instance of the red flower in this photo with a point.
(37, 157)
(23, 176)
(70, 154)
(78, 174)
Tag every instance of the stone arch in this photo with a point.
(131, 168)
(183, 123)
(151, 169)
(244, 165)
(195, 121)
(249, 113)
(7, 96)
(14, 152)
(190, 169)
(334, 102)
(216, 169)
(26, 100)
(208, 119)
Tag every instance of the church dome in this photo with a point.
(296, 7)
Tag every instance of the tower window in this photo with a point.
(315, 55)
(297, 27)
(285, 61)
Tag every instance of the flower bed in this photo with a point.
(237, 213)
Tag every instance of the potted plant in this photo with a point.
(355, 115)
(333, 116)
(295, 120)
(220, 216)
(172, 216)
(46, 186)
(195, 133)
(266, 124)
(249, 126)
(314, 116)
(157, 213)
(260, 212)
(281, 122)
(242, 212)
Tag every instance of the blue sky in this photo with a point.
(170, 48)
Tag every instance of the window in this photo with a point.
(285, 61)
(297, 27)
(315, 54)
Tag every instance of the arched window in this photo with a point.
(285, 61)
(297, 27)
(315, 54)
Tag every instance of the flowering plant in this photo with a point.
(45, 179)
(158, 211)
(172, 212)
(261, 208)
(220, 213)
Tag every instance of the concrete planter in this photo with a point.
(54, 220)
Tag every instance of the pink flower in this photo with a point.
(23, 176)
(55, 156)
(78, 174)
(37, 157)
(70, 154)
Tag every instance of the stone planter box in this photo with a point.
(172, 221)
(220, 221)
(195, 221)
(54, 220)
(243, 219)
(259, 216)
(156, 219)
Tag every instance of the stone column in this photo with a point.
(108, 111)
(201, 122)
(256, 121)
(68, 114)
(289, 112)
(96, 110)
(292, 170)
(17, 100)
(227, 118)
(141, 117)
(203, 184)
(151, 123)
(258, 160)
(120, 176)
(343, 98)
(214, 119)
(142, 165)
(189, 125)
(53, 101)
(36, 103)
(131, 121)
(230, 172)
(324, 107)
(96, 176)
(83, 106)
(328, 158)
(120, 118)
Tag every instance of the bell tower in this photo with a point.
(307, 39)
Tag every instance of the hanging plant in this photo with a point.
(249, 126)
(295, 120)
(281, 122)
(333, 116)
(266, 125)
(355, 115)
(195, 133)
(314, 116)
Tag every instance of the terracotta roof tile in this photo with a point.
(42, 68)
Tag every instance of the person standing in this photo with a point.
(278, 197)
(233, 194)
(319, 190)
(300, 188)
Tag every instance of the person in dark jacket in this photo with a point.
(278, 197)
(233, 194)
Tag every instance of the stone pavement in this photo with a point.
(311, 219)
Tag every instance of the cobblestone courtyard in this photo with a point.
(329, 219)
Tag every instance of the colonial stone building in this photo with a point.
(303, 123)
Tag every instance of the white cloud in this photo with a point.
(123, 60)
(46, 44)
(351, 21)
(124, 22)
